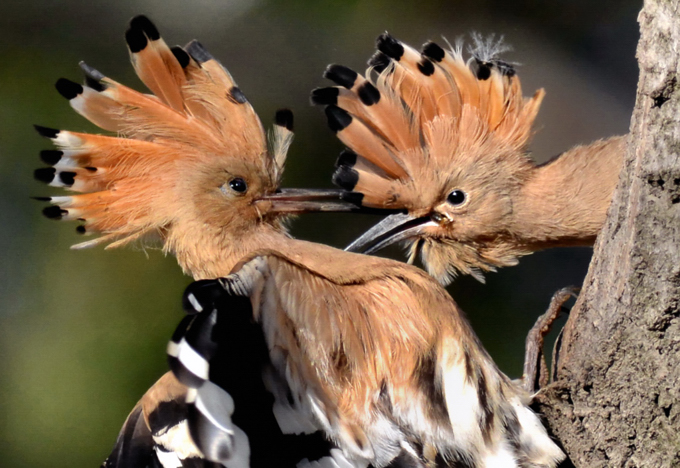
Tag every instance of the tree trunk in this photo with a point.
(615, 400)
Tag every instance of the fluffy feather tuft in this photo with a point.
(196, 131)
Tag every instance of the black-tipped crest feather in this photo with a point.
(181, 56)
(45, 174)
(54, 212)
(144, 24)
(199, 53)
(433, 51)
(389, 46)
(379, 62)
(341, 75)
(346, 178)
(324, 96)
(46, 131)
(338, 119)
(136, 40)
(368, 94)
(284, 118)
(68, 88)
(347, 157)
(51, 157)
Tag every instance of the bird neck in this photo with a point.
(565, 201)
(212, 252)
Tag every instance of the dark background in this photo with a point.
(82, 334)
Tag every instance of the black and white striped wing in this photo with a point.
(156, 434)
(241, 409)
(135, 446)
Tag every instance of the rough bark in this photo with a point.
(616, 398)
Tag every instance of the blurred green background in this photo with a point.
(83, 333)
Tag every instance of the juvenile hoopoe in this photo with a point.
(446, 140)
(367, 354)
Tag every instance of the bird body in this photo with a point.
(299, 340)
(374, 354)
(453, 155)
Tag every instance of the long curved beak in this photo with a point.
(300, 200)
(394, 228)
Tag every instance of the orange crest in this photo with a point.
(197, 123)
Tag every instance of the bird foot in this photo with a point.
(535, 375)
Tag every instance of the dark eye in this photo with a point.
(238, 185)
(457, 197)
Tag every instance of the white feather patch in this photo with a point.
(193, 361)
(291, 421)
(172, 349)
(544, 452)
(500, 457)
(56, 182)
(194, 303)
(66, 163)
(61, 201)
(463, 406)
(67, 139)
(240, 457)
(168, 459)
(213, 402)
(177, 440)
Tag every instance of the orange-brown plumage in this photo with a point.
(168, 172)
(371, 352)
(475, 200)
(378, 357)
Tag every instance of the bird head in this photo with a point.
(189, 163)
(440, 137)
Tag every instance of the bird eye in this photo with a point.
(238, 185)
(457, 197)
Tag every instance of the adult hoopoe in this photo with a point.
(191, 164)
(190, 167)
(365, 360)
(446, 140)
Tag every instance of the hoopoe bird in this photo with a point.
(445, 139)
(191, 167)
(301, 354)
